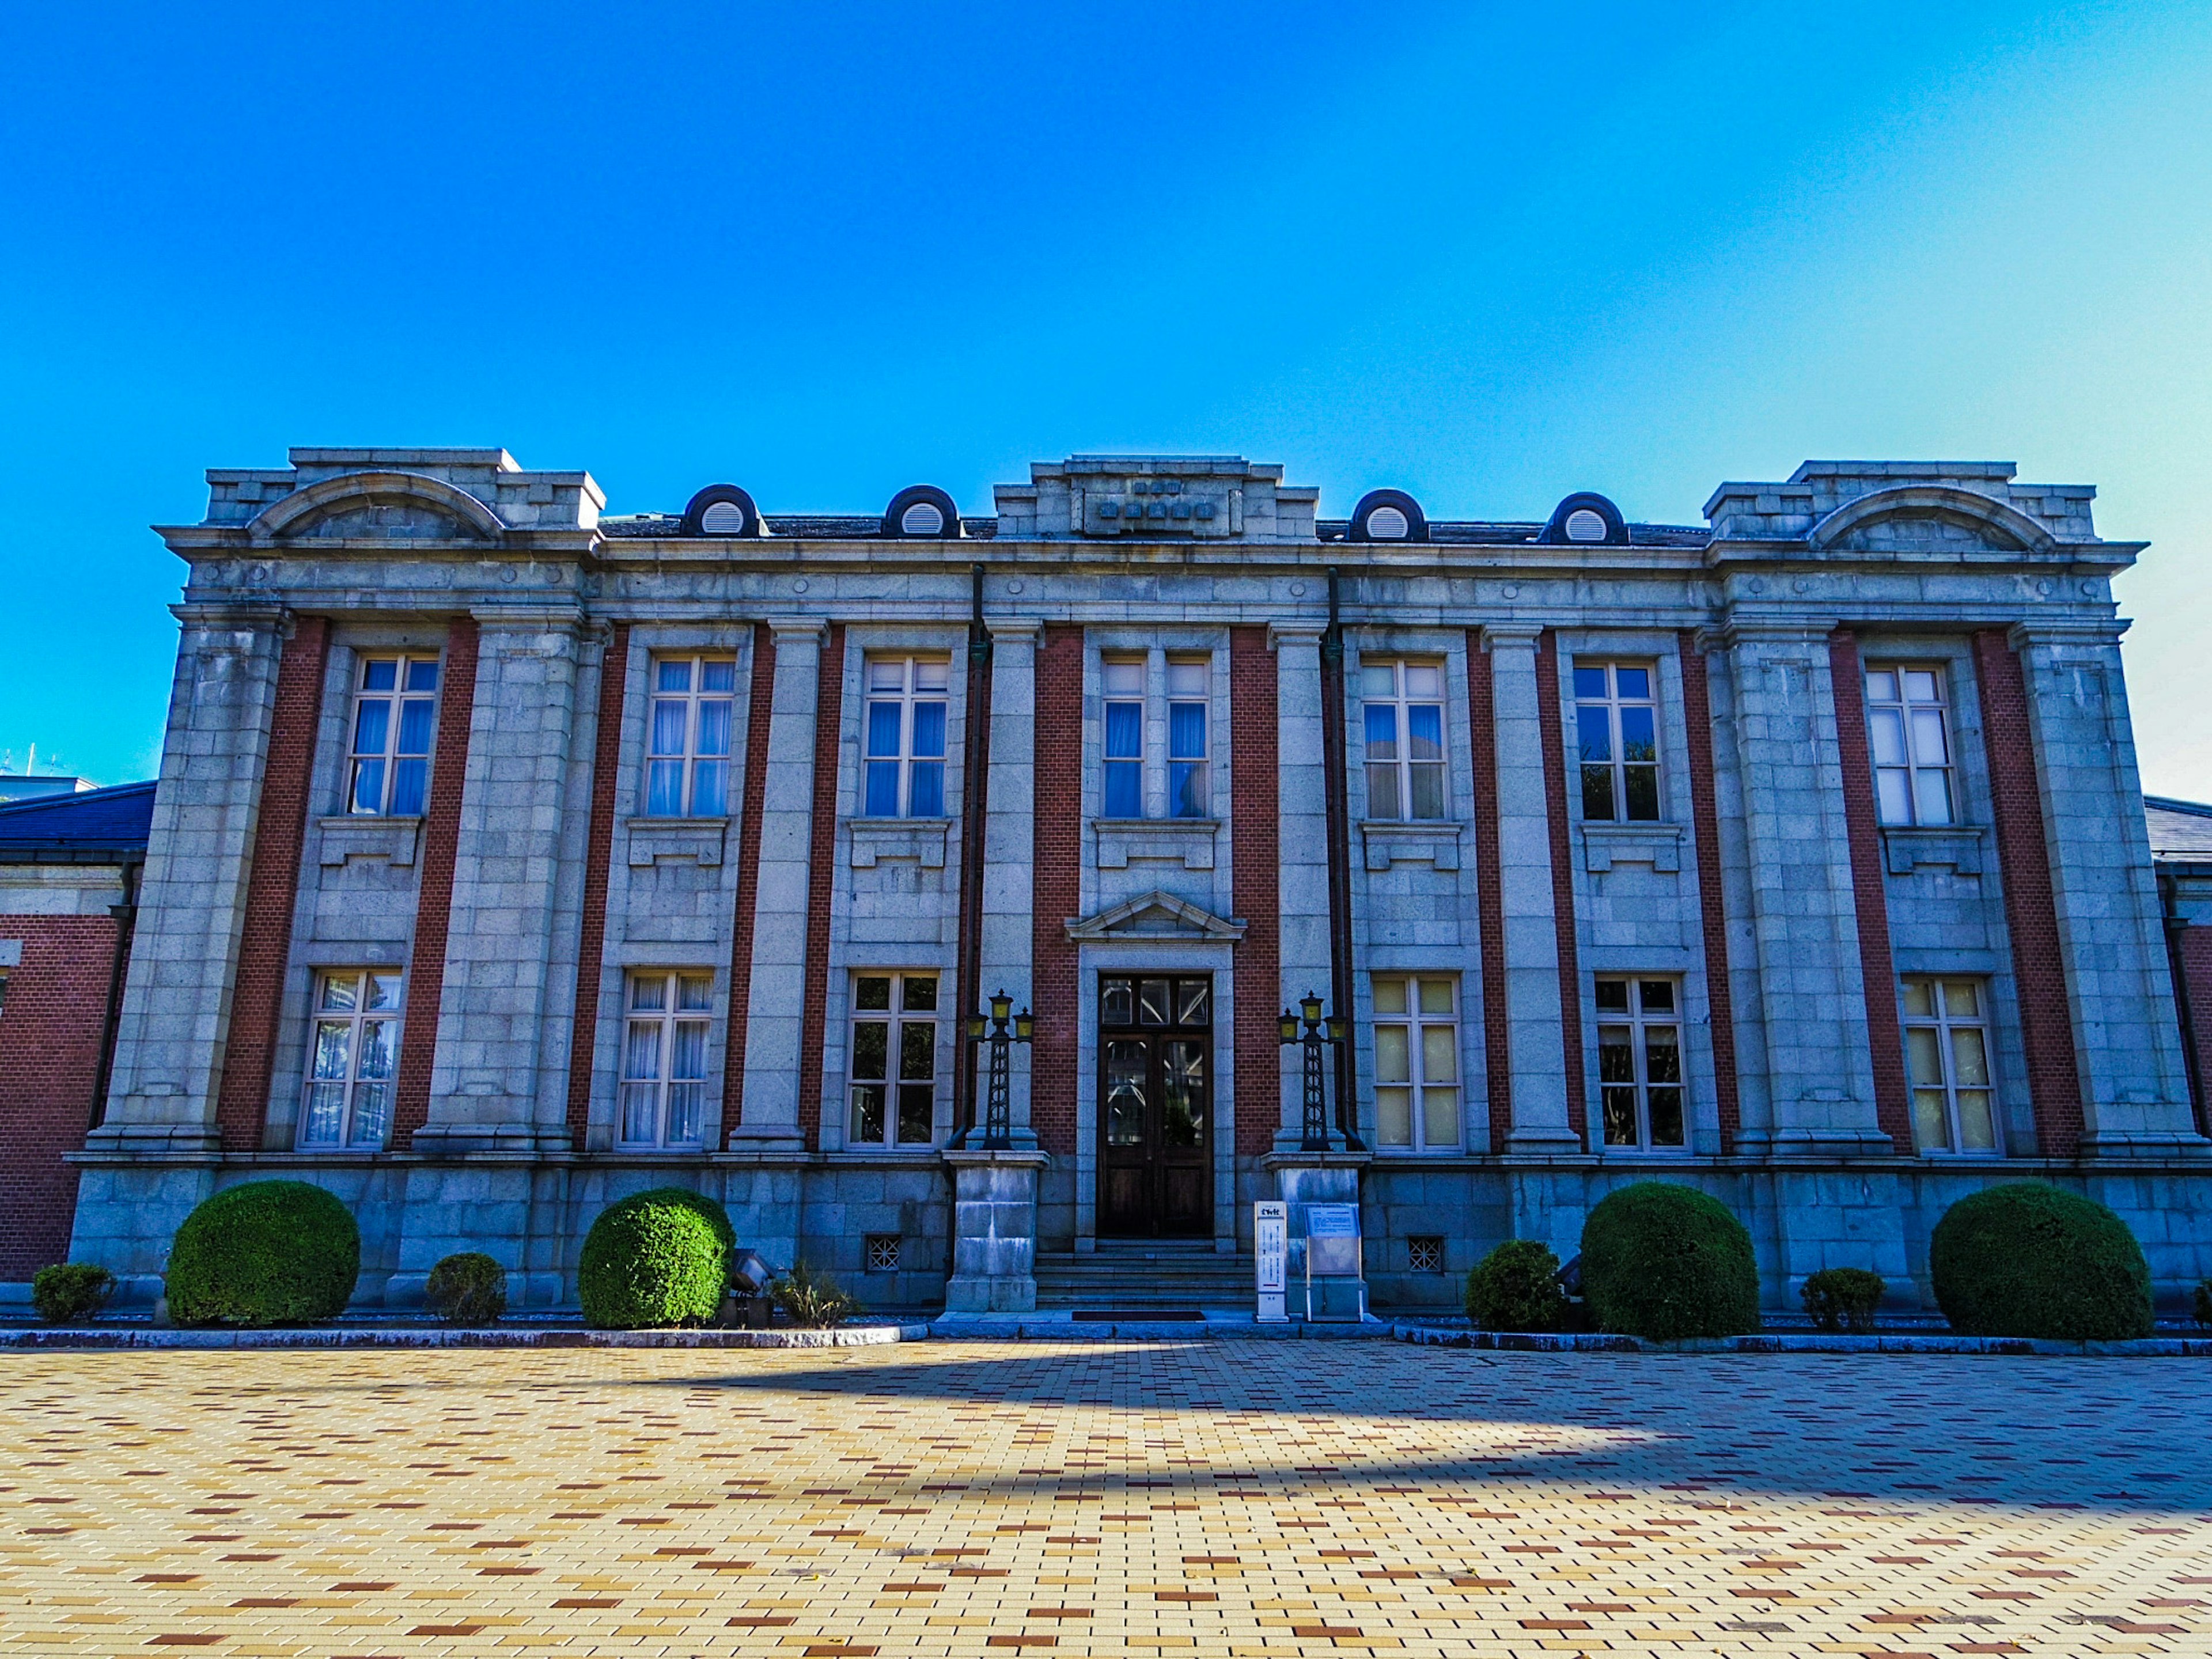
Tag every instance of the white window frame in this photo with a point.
(1639, 1021)
(896, 1020)
(700, 772)
(1429, 1043)
(681, 1009)
(1935, 1032)
(387, 757)
(1616, 706)
(908, 698)
(1400, 771)
(363, 1098)
(1900, 726)
(1190, 773)
(1173, 778)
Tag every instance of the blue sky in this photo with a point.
(1489, 254)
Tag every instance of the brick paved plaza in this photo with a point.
(1209, 1498)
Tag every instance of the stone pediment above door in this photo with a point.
(1154, 915)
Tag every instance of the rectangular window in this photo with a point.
(904, 775)
(893, 1060)
(1946, 1047)
(1616, 736)
(395, 715)
(1640, 1064)
(1909, 734)
(1403, 709)
(1188, 795)
(664, 1072)
(352, 1058)
(1122, 679)
(688, 768)
(1417, 1086)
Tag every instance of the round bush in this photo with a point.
(467, 1289)
(71, 1290)
(1667, 1262)
(1843, 1298)
(655, 1259)
(1517, 1288)
(266, 1253)
(2025, 1259)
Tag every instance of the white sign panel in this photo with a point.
(1271, 1246)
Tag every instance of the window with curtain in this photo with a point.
(1617, 738)
(353, 1057)
(1417, 1081)
(688, 767)
(1402, 717)
(903, 768)
(1908, 730)
(395, 718)
(664, 1073)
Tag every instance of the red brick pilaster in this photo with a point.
(1489, 891)
(2039, 963)
(759, 706)
(1056, 886)
(1706, 825)
(265, 947)
(49, 1065)
(1870, 893)
(1563, 878)
(598, 849)
(1256, 872)
(2193, 958)
(433, 903)
(829, 714)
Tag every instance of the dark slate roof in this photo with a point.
(2180, 829)
(96, 826)
(1460, 532)
(1507, 533)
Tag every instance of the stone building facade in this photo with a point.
(509, 855)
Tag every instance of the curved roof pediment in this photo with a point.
(1991, 523)
(393, 507)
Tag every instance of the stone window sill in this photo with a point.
(367, 836)
(1659, 845)
(1412, 840)
(697, 839)
(1905, 848)
(921, 840)
(1189, 841)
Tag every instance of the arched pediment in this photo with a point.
(1918, 515)
(384, 507)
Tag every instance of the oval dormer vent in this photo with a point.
(1387, 524)
(922, 519)
(1585, 525)
(722, 519)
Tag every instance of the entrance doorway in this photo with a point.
(1155, 1105)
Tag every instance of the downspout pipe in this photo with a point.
(1334, 761)
(974, 803)
(2169, 895)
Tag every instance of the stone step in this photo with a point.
(1145, 1274)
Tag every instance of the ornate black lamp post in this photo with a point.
(1001, 1030)
(1318, 1033)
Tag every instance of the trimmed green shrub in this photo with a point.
(1666, 1261)
(655, 1259)
(71, 1290)
(2025, 1259)
(467, 1289)
(1517, 1288)
(1843, 1298)
(264, 1253)
(811, 1298)
(2203, 1303)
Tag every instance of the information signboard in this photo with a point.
(1332, 1252)
(1271, 1231)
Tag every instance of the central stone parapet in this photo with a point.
(1157, 498)
(994, 1207)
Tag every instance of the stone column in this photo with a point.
(1534, 1039)
(176, 1002)
(484, 1087)
(994, 1202)
(1302, 831)
(1803, 901)
(2135, 1092)
(779, 942)
(1009, 846)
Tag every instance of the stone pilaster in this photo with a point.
(1009, 843)
(774, 1021)
(487, 1086)
(1804, 915)
(1519, 703)
(1302, 833)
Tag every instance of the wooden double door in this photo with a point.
(1155, 1105)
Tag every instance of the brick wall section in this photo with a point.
(1489, 891)
(759, 706)
(2194, 947)
(2039, 967)
(598, 849)
(821, 870)
(1706, 825)
(265, 947)
(1870, 893)
(1563, 877)
(1256, 870)
(49, 1033)
(1057, 885)
(434, 902)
